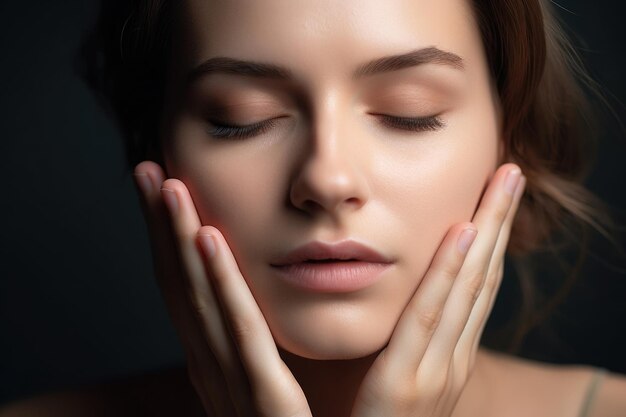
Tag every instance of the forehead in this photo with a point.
(325, 37)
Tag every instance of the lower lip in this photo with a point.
(338, 276)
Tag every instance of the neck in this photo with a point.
(330, 386)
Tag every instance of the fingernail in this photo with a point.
(522, 183)
(466, 239)
(144, 183)
(209, 244)
(170, 200)
(512, 179)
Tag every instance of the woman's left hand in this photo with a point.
(431, 353)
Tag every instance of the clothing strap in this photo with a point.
(591, 391)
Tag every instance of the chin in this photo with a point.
(330, 351)
(325, 338)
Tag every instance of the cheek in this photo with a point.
(235, 189)
(438, 188)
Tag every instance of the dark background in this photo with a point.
(78, 303)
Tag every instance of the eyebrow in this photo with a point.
(227, 65)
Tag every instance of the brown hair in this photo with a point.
(541, 84)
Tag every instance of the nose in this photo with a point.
(330, 176)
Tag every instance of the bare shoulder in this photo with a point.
(166, 393)
(523, 387)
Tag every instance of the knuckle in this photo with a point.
(449, 270)
(241, 329)
(405, 400)
(200, 307)
(435, 387)
(429, 319)
(473, 287)
(441, 386)
(490, 283)
(403, 396)
(501, 210)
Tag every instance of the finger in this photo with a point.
(489, 219)
(204, 369)
(148, 177)
(505, 231)
(422, 315)
(204, 303)
(269, 377)
(470, 339)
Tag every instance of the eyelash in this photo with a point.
(413, 124)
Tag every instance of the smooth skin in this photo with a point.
(421, 372)
(331, 166)
(339, 156)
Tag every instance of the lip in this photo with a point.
(354, 266)
(344, 250)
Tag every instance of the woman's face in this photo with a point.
(331, 167)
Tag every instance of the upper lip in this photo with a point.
(346, 249)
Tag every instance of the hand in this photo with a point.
(233, 362)
(432, 350)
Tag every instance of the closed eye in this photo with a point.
(413, 124)
(243, 131)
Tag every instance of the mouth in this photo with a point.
(340, 267)
(320, 252)
(332, 275)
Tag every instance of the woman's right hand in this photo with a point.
(225, 338)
